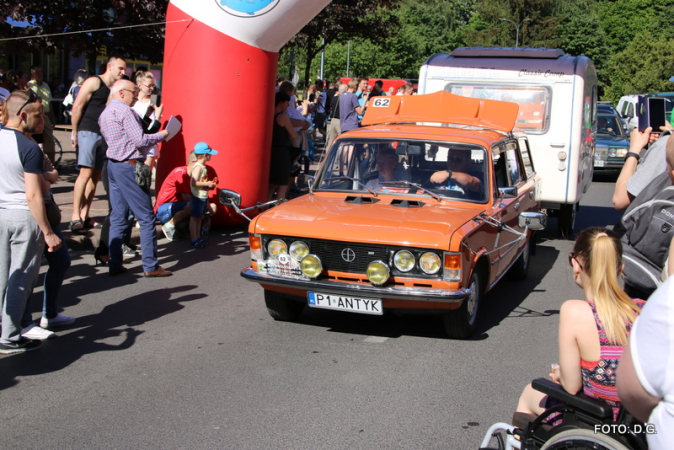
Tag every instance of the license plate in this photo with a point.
(282, 266)
(344, 303)
(598, 163)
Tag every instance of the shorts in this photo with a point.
(92, 150)
(167, 210)
(198, 207)
(319, 121)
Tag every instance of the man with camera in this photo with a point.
(129, 177)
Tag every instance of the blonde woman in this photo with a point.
(150, 113)
(592, 332)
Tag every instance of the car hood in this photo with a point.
(614, 141)
(330, 217)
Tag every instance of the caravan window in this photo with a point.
(534, 101)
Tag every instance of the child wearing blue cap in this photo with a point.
(200, 186)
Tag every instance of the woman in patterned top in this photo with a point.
(592, 332)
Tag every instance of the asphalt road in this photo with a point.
(195, 362)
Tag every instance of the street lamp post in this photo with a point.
(517, 28)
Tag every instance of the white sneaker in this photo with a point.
(169, 231)
(32, 331)
(58, 321)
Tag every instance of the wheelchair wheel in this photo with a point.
(58, 152)
(580, 439)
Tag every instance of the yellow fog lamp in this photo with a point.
(377, 272)
(404, 261)
(298, 250)
(276, 247)
(311, 266)
(452, 269)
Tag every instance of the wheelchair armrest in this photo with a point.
(582, 402)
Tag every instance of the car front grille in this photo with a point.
(337, 255)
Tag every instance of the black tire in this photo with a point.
(282, 308)
(567, 220)
(580, 439)
(460, 323)
(520, 270)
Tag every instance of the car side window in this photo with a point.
(630, 110)
(514, 168)
(526, 157)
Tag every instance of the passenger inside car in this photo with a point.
(387, 162)
(459, 177)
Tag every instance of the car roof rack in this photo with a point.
(442, 107)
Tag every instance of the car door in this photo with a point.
(510, 172)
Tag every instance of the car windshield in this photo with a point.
(609, 125)
(406, 167)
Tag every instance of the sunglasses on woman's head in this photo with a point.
(572, 256)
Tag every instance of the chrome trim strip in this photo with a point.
(334, 287)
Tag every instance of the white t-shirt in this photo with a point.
(652, 347)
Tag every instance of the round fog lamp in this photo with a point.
(311, 266)
(299, 250)
(430, 263)
(377, 272)
(404, 260)
(276, 247)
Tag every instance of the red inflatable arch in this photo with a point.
(219, 79)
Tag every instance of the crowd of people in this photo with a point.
(115, 130)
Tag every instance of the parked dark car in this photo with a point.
(611, 144)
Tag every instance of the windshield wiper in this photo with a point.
(408, 184)
(342, 178)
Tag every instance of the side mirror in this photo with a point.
(508, 192)
(532, 220)
(230, 198)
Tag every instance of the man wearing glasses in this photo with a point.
(89, 104)
(127, 150)
(458, 176)
(25, 228)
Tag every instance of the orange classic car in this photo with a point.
(421, 210)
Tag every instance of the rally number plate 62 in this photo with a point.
(344, 303)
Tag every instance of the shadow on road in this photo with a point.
(115, 322)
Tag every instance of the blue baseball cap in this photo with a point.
(202, 148)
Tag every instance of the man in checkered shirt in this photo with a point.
(127, 148)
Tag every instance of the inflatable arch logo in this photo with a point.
(247, 8)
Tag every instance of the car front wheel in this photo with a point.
(282, 308)
(460, 323)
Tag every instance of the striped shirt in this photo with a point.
(599, 376)
(123, 132)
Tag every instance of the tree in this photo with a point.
(644, 66)
(342, 20)
(78, 15)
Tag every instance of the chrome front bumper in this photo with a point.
(359, 290)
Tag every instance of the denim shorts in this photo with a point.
(167, 210)
(91, 151)
(198, 207)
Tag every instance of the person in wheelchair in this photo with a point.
(458, 177)
(592, 332)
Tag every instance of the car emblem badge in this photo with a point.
(348, 255)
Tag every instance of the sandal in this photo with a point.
(77, 229)
(89, 223)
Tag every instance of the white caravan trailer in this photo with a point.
(557, 97)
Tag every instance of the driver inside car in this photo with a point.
(459, 177)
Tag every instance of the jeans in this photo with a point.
(126, 195)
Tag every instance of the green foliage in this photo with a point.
(644, 66)
(623, 20)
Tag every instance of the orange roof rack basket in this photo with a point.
(442, 107)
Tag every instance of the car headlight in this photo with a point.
(311, 266)
(621, 152)
(430, 263)
(404, 260)
(377, 272)
(298, 250)
(276, 247)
